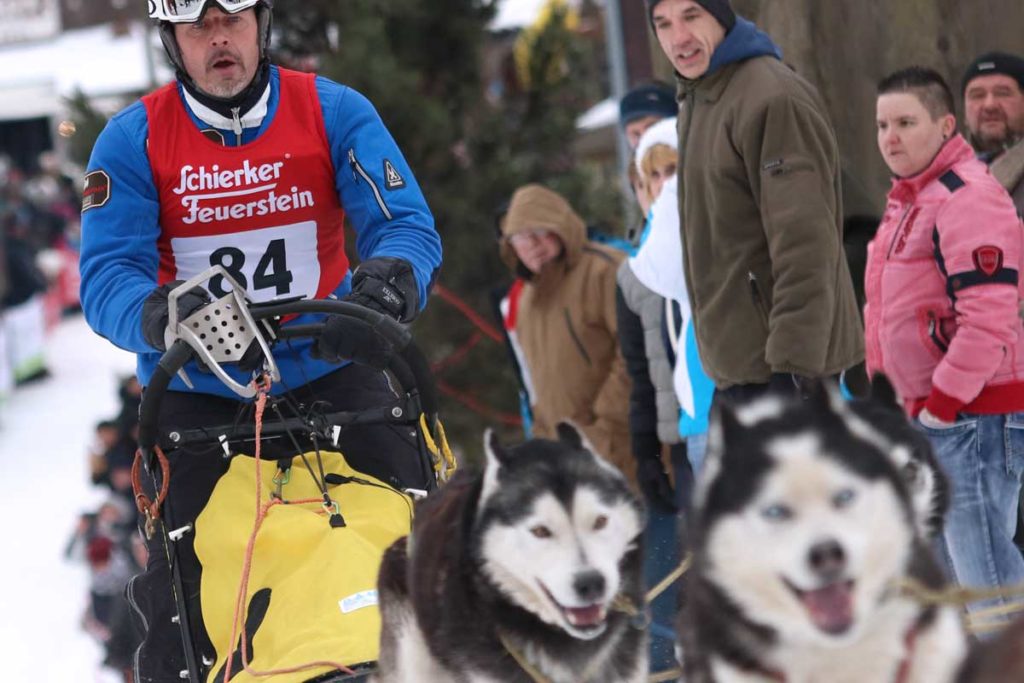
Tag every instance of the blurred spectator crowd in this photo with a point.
(39, 238)
(105, 539)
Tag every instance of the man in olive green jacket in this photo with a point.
(566, 323)
(760, 203)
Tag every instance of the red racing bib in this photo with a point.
(267, 211)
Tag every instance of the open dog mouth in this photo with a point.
(829, 607)
(588, 620)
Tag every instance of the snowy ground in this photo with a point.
(44, 431)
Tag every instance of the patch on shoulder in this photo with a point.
(952, 181)
(96, 191)
(393, 180)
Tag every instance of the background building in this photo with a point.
(52, 49)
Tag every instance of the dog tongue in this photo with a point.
(831, 607)
(585, 616)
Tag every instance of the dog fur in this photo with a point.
(911, 453)
(802, 526)
(531, 552)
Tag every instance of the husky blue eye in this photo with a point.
(776, 513)
(843, 498)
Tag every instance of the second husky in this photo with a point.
(804, 530)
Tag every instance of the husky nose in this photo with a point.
(589, 585)
(827, 558)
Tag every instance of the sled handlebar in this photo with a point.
(404, 359)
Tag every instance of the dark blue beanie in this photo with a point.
(995, 63)
(721, 10)
(650, 99)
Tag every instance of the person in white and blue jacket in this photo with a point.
(253, 167)
(671, 396)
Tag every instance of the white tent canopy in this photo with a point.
(34, 77)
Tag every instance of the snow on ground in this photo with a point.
(45, 429)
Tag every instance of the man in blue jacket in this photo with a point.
(252, 167)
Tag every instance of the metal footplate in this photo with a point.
(219, 332)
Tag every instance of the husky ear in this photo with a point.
(723, 413)
(494, 452)
(494, 456)
(824, 395)
(723, 424)
(882, 391)
(571, 436)
(817, 393)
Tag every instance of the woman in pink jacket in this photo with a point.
(943, 285)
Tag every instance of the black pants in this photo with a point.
(388, 452)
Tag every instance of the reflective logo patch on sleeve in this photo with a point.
(96, 191)
(392, 179)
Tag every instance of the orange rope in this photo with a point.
(243, 587)
(147, 507)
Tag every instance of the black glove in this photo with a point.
(156, 314)
(252, 359)
(655, 485)
(345, 338)
(386, 285)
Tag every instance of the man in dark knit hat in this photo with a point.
(993, 88)
(644, 106)
(760, 205)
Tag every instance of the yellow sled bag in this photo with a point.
(310, 587)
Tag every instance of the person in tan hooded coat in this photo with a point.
(566, 322)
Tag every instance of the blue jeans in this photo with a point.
(983, 455)
(696, 445)
(663, 554)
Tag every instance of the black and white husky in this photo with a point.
(519, 573)
(804, 527)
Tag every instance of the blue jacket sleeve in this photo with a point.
(119, 255)
(380, 195)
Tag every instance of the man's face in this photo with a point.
(688, 34)
(908, 136)
(536, 248)
(994, 108)
(637, 127)
(221, 51)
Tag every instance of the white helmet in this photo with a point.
(169, 12)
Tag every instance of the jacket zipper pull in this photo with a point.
(236, 125)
